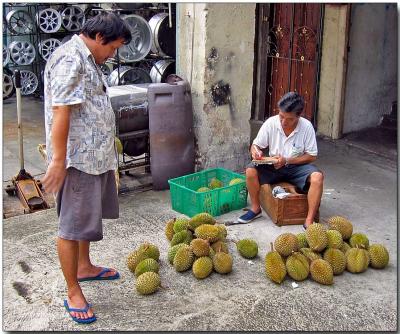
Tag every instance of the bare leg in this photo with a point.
(68, 255)
(314, 196)
(253, 186)
(85, 266)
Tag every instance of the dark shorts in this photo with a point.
(83, 201)
(295, 174)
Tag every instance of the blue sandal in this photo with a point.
(100, 276)
(79, 320)
(248, 217)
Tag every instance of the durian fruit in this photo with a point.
(180, 237)
(336, 259)
(220, 246)
(247, 248)
(215, 183)
(200, 219)
(236, 181)
(148, 283)
(275, 268)
(183, 259)
(207, 232)
(150, 250)
(181, 224)
(309, 254)
(172, 252)
(357, 260)
(212, 252)
(379, 256)
(302, 239)
(359, 240)
(345, 247)
(222, 262)
(202, 267)
(200, 247)
(321, 272)
(316, 237)
(342, 225)
(222, 233)
(189, 237)
(203, 189)
(169, 229)
(297, 266)
(286, 243)
(147, 265)
(134, 258)
(335, 239)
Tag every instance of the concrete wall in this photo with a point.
(333, 71)
(372, 66)
(217, 44)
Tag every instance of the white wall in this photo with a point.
(371, 83)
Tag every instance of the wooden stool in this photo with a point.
(291, 210)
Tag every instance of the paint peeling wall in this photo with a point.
(216, 54)
(372, 67)
(333, 71)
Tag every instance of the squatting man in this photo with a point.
(291, 140)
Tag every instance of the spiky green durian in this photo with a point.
(286, 243)
(184, 258)
(247, 248)
(147, 265)
(379, 256)
(275, 267)
(321, 272)
(207, 232)
(222, 263)
(202, 267)
(148, 283)
(316, 237)
(342, 225)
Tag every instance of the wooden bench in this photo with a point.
(291, 210)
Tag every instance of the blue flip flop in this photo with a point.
(100, 276)
(78, 320)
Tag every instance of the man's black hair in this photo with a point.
(291, 102)
(110, 27)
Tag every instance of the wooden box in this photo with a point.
(291, 210)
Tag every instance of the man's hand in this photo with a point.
(256, 153)
(54, 178)
(281, 161)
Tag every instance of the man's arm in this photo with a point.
(56, 170)
(302, 159)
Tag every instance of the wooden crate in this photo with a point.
(291, 210)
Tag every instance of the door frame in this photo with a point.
(262, 68)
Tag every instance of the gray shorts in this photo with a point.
(83, 201)
(295, 174)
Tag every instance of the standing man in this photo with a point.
(80, 132)
(291, 141)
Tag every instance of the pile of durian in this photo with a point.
(322, 253)
(199, 244)
(143, 262)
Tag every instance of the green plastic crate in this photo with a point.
(216, 202)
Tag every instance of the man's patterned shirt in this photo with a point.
(72, 78)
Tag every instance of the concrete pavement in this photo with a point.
(358, 185)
